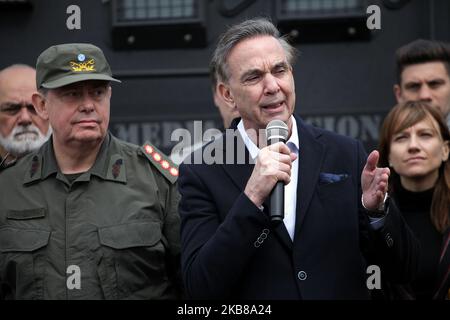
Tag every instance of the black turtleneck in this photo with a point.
(415, 207)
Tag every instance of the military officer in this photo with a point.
(87, 216)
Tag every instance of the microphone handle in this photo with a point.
(277, 203)
(277, 196)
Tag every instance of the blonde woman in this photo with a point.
(414, 143)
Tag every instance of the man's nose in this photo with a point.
(24, 117)
(87, 103)
(271, 85)
(425, 94)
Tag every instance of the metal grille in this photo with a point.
(303, 7)
(153, 10)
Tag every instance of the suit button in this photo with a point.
(389, 240)
(302, 275)
(261, 238)
(258, 242)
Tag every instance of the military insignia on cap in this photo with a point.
(82, 66)
(163, 163)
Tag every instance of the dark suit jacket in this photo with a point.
(230, 250)
(443, 285)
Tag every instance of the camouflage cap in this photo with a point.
(68, 63)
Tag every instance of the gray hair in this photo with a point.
(239, 32)
(43, 91)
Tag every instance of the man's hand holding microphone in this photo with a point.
(272, 171)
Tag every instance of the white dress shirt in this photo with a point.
(290, 191)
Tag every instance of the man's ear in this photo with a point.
(224, 91)
(40, 104)
(398, 93)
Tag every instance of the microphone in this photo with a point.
(277, 131)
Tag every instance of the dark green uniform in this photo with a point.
(5, 162)
(116, 226)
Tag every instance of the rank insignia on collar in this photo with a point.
(116, 168)
(34, 166)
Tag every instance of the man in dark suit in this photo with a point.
(230, 249)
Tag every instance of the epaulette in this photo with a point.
(162, 162)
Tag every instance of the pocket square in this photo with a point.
(331, 177)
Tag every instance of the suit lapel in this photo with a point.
(283, 235)
(311, 155)
(239, 172)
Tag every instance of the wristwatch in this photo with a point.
(382, 208)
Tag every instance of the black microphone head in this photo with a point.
(276, 130)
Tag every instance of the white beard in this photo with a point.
(24, 139)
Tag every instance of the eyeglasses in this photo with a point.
(14, 108)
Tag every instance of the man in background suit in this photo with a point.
(423, 74)
(182, 152)
(230, 248)
(227, 112)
